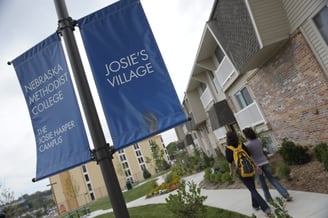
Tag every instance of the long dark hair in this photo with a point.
(232, 138)
(249, 133)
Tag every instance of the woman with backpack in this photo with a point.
(249, 182)
(255, 148)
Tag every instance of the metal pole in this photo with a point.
(103, 153)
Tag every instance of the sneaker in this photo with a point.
(288, 198)
(268, 213)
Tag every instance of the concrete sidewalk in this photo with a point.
(304, 204)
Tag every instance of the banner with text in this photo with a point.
(59, 131)
(136, 91)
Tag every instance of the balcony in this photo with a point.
(207, 99)
(225, 73)
(249, 116)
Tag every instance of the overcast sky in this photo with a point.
(177, 25)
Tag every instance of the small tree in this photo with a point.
(280, 210)
(158, 155)
(187, 204)
(172, 149)
(6, 201)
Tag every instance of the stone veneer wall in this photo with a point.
(292, 91)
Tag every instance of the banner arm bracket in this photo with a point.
(104, 152)
(65, 23)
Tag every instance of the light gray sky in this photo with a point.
(177, 25)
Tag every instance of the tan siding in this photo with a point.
(270, 20)
(299, 10)
(317, 44)
(77, 178)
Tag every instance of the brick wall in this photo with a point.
(292, 91)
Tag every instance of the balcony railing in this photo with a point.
(224, 71)
(207, 99)
(249, 116)
(220, 133)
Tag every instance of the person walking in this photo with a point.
(249, 182)
(255, 148)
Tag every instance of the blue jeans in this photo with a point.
(267, 173)
(257, 200)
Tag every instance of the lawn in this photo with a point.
(130, 195)
(160, 210)
(153, 210)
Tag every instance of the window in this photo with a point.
(136, 146)
(86, 177)
(125, 165)
(140, 160)
(321, 21)
(92, 196)
(84, 168)
(243, 98)
(143, 166)
(122, 157)
(213, 81)
(89, 187)
(219, 54)
(127, 173)
(138, 153)
(202, 86)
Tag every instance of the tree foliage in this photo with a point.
(158, 157)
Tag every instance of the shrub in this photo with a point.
(216, 167)
(128, 185)
(272, 168)
(283, 171)
(187, 203)
(226, 177)
(218, 173)
(224, 167)
(208, 161)
(217, 177)
(294, 154)
(321, 153)
(146, 174)
(207, 174)
(165, 165)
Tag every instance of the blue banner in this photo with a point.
(135, 89)
(60, 136)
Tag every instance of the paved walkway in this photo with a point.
(304, 205)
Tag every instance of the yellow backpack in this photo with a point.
(243, 162)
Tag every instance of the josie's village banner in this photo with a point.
(136, 91)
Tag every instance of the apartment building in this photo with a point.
(79, 186)
(261, 64)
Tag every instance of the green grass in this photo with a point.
(130, 195)
(153, 210)
(160, 210)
